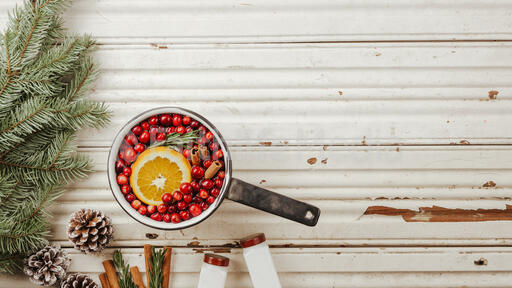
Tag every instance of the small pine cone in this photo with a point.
(78, 281)
(47, 266)
(90, 230)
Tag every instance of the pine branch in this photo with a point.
(44, 76)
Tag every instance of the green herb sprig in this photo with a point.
(124, 276)
(175, 140)
(156, 263)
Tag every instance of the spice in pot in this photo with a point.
(259, 261)
(213, 271)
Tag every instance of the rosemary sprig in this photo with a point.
(156, 262)
(175, 139)
(125, 278)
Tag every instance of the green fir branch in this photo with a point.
(44, 76)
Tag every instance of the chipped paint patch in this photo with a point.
(193, 244)
(266, 143)
(481, 262)
(464, 142)
(489, 184)
(263, 181)
(213, 250)
(340, 92)
(311, 161)
(441, 214)
(151, 235)
(363, 142)
(493, 94)
(324, 161)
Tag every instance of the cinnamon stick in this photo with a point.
(104, 280)
(196, 160)
(204, 152)
(166, 267)
(137, 278)
(147, 257)
(212, 170)
(111, 273)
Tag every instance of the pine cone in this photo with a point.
(78, 281)
(90, 230)
(47, 266)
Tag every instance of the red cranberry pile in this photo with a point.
(192, 198)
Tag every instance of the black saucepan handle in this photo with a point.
(271, 202)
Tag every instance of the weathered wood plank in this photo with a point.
(336, 267)
(346, 94)
(200, 21)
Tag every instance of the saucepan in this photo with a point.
(232, 188)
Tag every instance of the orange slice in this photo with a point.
(157, 171)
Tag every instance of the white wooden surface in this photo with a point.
(393, 99)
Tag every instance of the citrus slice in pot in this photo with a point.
(156, 171)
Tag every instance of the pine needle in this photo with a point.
(175, 140)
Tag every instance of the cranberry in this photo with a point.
(122, 179)
(153, 131)
(126, 189)
(195, 186)
(177, 195)
(181, 205)
(162, 208)
(160, 137)
(127, 171)
(153, 121)
(166, 218)
(207, 184)
(187, 198)
(185, 215)
(195, 210)
(218, 154)
(131, 139)
(214, 146)
(186, 188)
(172, 208)
(170, 130)
(215, 192)
(221, 174)
(137, 130)
(197, 172)
(143, 210)
(120, 165)
(218, 182)
(175, 218)
(180, 129)
(202, 129)
(136, 204)
(186, 153)
(188, 129)
(204, 205)
(209, 136)
(130, 155)
(207, 163)
(139, 148)
(197, 199)
(144, 137)
(167, 197)
(156, 217)
(210, 199)
(203, 194)
(120, 155)
(202, 140)
(151, 209)
(176, 120)
(144, 125)
(194, 124)
(186, 120)
(130, 197)
(165, 120)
